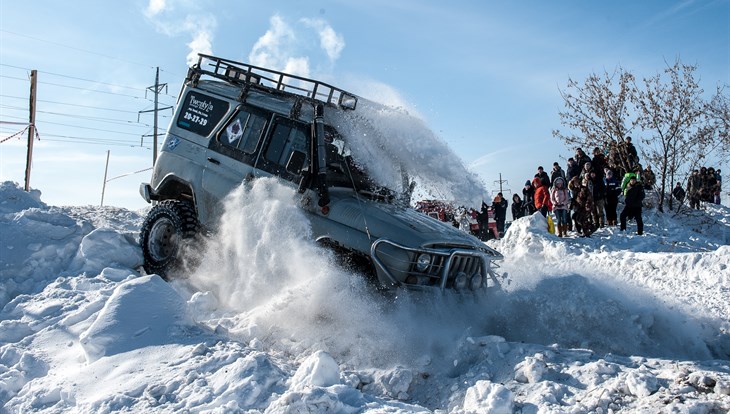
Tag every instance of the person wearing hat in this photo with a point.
(632, 208)
(499, 206)
(528, 197)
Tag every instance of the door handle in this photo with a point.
(214, 161)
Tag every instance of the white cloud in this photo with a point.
(201, 43)
(329, 40)
(155, 7)
(274, 48)
(298, 66)
(175, 18)
(294, 47)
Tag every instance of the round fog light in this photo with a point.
(476, 282)
(460, 281)
(423, 261)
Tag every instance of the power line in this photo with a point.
(70, 104)
(87, 117)
(79, 88)
(73, 77)
(96, 143)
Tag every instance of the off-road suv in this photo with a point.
(235, 122)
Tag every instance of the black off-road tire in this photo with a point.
(167, 227)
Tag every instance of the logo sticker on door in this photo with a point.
(234, 131)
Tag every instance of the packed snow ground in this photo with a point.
(267, 322)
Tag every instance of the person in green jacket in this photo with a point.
(625, 182)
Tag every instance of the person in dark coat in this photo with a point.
(694, 184)
(555, 173)
(572, 170)
(583, 215)
(518, 207)
(483, 221)
(613, 190)
(500, 212)
(528, 197)
(678, 192)
(648, 178)
(599, 198)
(581, 158)
(599, 162)
(543, 176)
(632, 208)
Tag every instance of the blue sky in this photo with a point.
(484, 75)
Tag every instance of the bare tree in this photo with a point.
(676, 118)
(598, 112)
(679, 127)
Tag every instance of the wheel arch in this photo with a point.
(173, 187)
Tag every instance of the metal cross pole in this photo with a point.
(501, 181)
(156, 89)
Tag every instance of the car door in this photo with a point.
(232, 154)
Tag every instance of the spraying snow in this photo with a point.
(387, 139)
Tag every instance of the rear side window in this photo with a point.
(244, 131)
(200, 113)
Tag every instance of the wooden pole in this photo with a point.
(31, 127)
(106, 169)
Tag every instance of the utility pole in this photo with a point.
(501, 181)
(31, 127)
(156, 89)
(106, 169)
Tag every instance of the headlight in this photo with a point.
(423, 261)
(460, 281)
(476, 282)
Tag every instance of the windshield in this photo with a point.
(343, 171)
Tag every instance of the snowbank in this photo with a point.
(267, 322)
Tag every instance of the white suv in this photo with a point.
(235, 122)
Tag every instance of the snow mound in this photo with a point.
(104, 248)
(141, 312)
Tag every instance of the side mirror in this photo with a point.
(296, 162)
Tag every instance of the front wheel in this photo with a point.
(166, 227)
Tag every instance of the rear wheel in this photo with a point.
(168, 225)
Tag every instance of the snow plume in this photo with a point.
(387, 139)
(174, 18)
(270, 280)
(290, 47)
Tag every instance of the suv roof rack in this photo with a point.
(238, 72)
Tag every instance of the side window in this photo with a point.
(287, 137)
(200, 113)
(243, 132)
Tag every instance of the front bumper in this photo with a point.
(448, 267)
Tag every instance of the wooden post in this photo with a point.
(106, 169)
(31, 127)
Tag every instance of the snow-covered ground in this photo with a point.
(267, 322)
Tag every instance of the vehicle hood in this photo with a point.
(399, 224)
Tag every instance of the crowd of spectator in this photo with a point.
(704, 184)
(588, 193)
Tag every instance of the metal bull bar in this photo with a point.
(449, 255)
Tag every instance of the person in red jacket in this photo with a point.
(542, 196)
